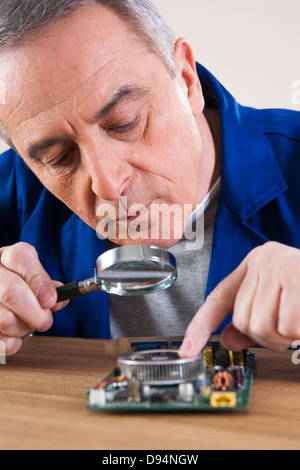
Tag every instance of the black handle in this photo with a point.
(68, 291)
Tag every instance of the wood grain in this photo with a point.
(43, 406)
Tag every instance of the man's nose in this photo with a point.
(110, 174)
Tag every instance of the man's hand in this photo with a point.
(27, 295)
(263, 294)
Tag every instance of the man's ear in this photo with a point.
(187, 74)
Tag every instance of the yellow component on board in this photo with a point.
(223, 399)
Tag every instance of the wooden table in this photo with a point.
(43, 406)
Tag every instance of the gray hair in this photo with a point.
(20, 18)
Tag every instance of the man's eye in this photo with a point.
(63, 159)
(122, 129)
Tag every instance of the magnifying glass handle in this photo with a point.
(68, 291)
(75, 289)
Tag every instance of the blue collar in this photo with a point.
(250, 176)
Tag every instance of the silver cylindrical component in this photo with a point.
(161, 367)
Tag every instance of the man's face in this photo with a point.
(100, 120)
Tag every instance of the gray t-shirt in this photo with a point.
(169, 312)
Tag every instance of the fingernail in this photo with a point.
(45, 297)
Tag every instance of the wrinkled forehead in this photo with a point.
(63, 64)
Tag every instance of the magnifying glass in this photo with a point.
(126, 270)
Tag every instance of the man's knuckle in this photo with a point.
(24, 252)
(16, 255)
(7, 323)
(13, 295)
(260, 330)
(23, 246)
(34, 277)
(289, 330)
(271, 245)
(255, 253)
(8, 292)
(260, 252)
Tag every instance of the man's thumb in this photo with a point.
(234, 340)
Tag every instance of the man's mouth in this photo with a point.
(137, 212)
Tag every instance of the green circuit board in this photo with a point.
(155, 378)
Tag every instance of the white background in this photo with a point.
(251, 46)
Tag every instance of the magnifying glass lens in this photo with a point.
(127, 270)
(136, 277)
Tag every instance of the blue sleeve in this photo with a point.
(19, 193)
(9, 220)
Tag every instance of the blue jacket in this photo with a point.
(259, 201)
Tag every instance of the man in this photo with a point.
(102, 104)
